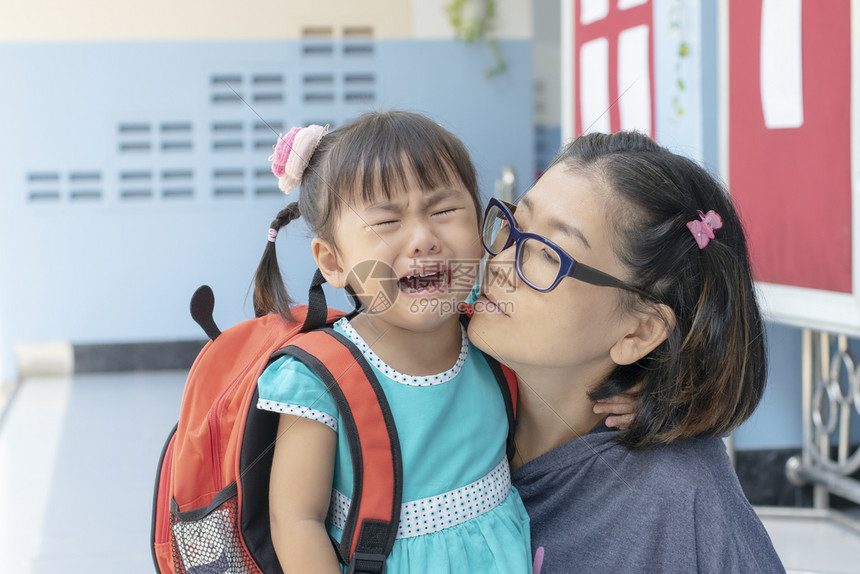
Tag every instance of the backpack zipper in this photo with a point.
(215, 433)
(214, 427)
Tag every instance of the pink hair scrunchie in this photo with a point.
(292, 154)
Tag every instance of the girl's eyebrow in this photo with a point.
(431, 198)
(439, 195)
(558, 224)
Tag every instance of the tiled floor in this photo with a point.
(77, 468)
(813, 542)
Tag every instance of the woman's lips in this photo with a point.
(488, 305)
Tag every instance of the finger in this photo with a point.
(624, 407)
(615, 400)
(622, 422)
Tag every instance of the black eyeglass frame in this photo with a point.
(568, 266)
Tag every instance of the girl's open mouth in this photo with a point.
(424, 283)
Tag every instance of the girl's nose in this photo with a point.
(423, 241)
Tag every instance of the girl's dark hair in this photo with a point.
(370, 158)
(709, 375)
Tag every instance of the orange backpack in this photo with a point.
(210, 510)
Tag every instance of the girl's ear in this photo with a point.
(648, 329)
(327, 261)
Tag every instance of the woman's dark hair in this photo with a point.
(709, 375)
(370, 158)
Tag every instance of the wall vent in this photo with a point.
(227, 182)
(176, 128)
(317, 32)
(89, 182)
(265, 183)
(228, 146)
(359, 79)
(177, 146)
(85, 195)
(228, 192)
(358, 31)
(269, 126)
(135, 194)
(219, 128)
(177, 174)
(269, 98)
(133, 147)
(47, 195)
(359, 97)
(141, 175)
(318, 80)
(358, 49)
(43, 177)
(226, 89)
(85, 176)
(177, 193)
(319, 98)
(228, 174)
(318, 49)
(134, 129)
(268, 191)
(134, 137)
(318, 41)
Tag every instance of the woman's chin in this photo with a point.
(481, 334)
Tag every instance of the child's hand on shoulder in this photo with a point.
(621, 408)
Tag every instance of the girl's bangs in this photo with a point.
(387, 162)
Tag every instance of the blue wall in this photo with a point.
(132, 173)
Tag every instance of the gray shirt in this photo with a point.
(596, 506)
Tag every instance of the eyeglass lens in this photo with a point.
(537, 262)
(496, 231)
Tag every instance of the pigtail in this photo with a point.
(270, 293)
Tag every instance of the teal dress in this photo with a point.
(460, 512)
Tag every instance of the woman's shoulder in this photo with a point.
(686, 463)
(695, 484)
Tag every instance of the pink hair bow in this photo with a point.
(703, 231)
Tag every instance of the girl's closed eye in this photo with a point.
(388, 223)
(446, 212)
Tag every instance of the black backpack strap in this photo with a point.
(505, 385)
(374, 513)
(317, 306)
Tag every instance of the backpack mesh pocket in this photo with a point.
(208, 541)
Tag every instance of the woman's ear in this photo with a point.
(648, 328)
(327, 261)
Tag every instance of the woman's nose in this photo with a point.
(501, 270)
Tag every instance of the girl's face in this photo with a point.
(413, 258)
(576, 324)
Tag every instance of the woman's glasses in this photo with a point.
(540, 263)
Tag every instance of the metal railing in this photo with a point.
(831, 390)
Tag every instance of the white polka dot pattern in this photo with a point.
(396, 376)
(442, 511)
(297, 410)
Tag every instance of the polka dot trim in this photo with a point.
(439, 512)
(396, 376)
(297, 410)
